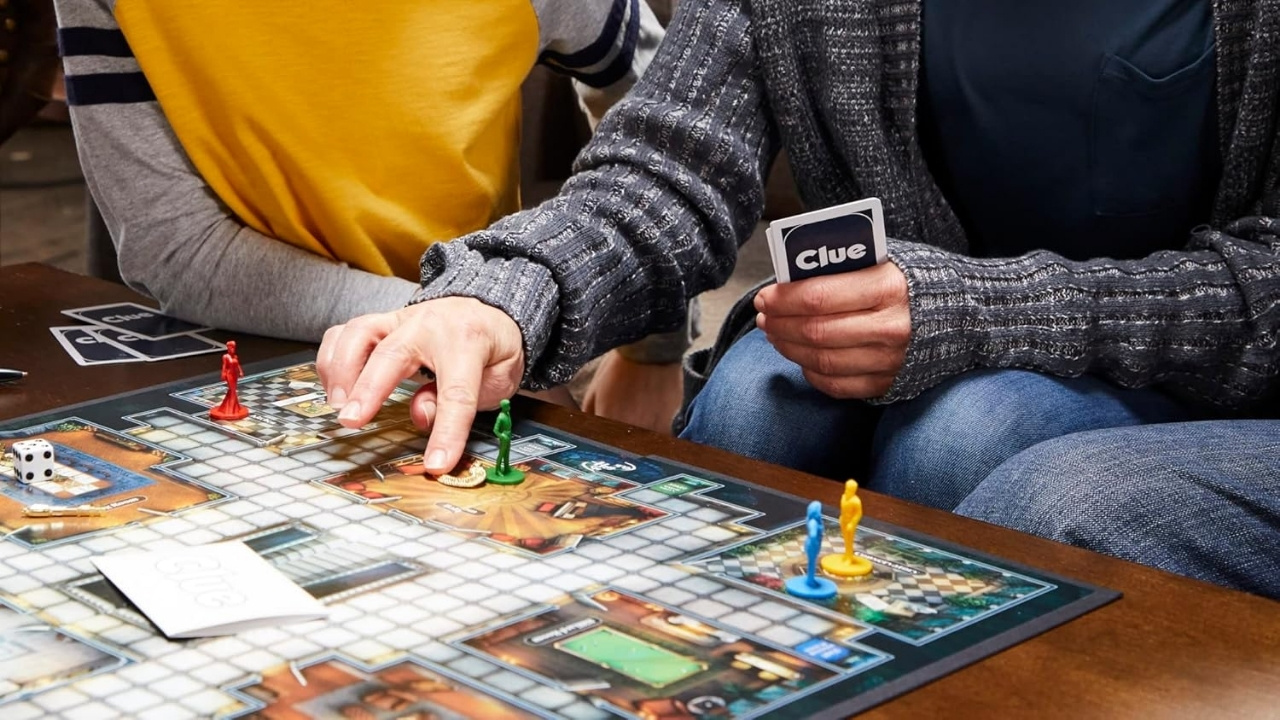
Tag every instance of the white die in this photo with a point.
(32, 460)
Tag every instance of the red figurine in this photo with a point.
(230, 409)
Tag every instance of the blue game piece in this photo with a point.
(810, 586)
(821, 589)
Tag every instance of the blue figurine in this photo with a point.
(809, 586)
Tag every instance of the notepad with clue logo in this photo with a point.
(209, 590)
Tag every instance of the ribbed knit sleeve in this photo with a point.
(669, 187)
(1203, 321)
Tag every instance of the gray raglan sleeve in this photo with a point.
(176, 241)
(604, 45)
(670, 185)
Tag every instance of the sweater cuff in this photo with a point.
(945, 333)
(524, 290)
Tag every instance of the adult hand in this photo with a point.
(848, 332)
(475, 351)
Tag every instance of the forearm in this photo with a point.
(178, 244)
(235, 279)
(669, 186)
(1203, 321)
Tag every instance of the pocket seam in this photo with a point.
(1118, 68)
(1134, 79)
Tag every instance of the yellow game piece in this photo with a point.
(848, 564)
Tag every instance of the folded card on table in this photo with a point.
(208, 590)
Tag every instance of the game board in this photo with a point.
(605, 585)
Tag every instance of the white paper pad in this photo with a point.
(209, 590)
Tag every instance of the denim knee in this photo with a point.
(1196, 499)
(757, 403)
(937, 448)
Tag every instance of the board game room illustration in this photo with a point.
(547, 575)
(639, 360)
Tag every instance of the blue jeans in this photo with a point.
(1199, 499)
(942, 447)
(933, 450)
(757, 403)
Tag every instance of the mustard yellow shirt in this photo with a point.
(363, 134)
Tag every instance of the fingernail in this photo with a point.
(337, 398)
(435, 460)
(350, 412)
(760, 320)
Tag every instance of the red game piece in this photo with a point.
(230, 409)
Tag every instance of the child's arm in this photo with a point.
(604, 45)
(176, 241)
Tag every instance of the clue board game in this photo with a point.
(604, 585)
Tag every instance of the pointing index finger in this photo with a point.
(392, 360)
(459, 373)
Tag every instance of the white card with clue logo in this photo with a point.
(834, 240)
(208, 590)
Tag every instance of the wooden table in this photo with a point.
(1170, 648)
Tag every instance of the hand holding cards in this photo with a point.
(849, 334)
(825, 242)
(128, 332)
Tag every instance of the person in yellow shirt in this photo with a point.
(280, 168)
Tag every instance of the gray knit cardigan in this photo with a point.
(673, 182)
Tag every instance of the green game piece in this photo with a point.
(502, 473)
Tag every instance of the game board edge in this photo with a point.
(971, 655)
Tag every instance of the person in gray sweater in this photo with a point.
(1075, 334)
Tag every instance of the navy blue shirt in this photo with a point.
(1085, 127)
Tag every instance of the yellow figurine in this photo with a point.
(848, 564)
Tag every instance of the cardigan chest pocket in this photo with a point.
(1152, 140)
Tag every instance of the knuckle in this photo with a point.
(392, 351)
(815, 298)
(821, 383)
(897, 328)
(363, 322)
(826, 363)
(473, 329)
(894, 284)
(458, 395)
(813, 331)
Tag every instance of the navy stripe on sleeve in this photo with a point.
(108, 88)
(617, 69)
(599, 49)
(73, 41)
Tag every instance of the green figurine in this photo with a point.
(502, 473)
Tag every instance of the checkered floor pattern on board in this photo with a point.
(930, 585)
